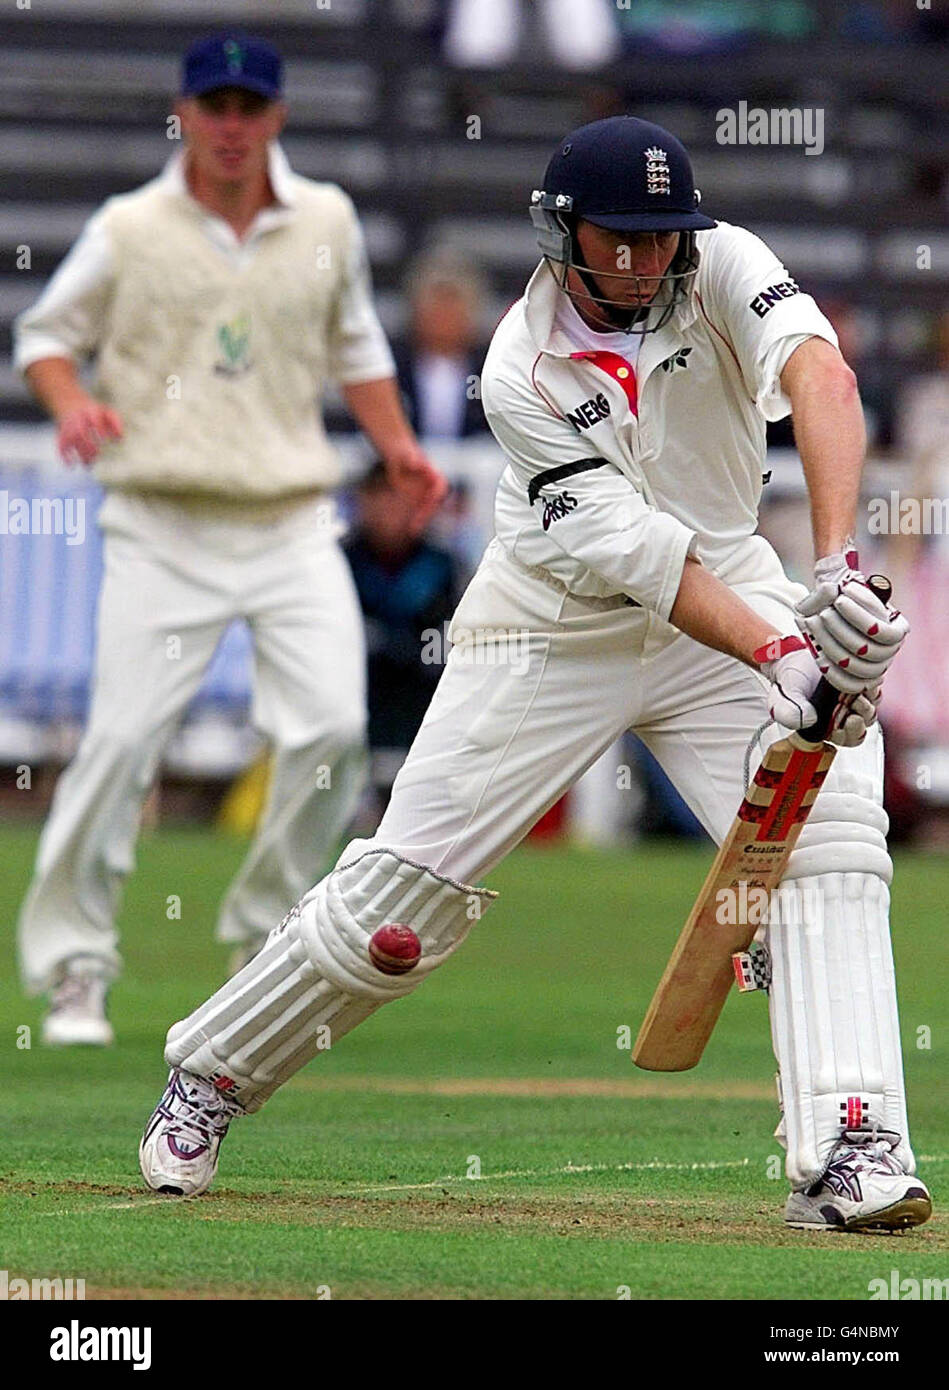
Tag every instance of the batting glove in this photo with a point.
(791, 667)
(855, 635)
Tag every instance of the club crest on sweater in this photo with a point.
(234, 341)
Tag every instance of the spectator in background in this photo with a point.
(408, 589)
(923, 413)
(693, 27)
(577, 34)
(914, 550)
(439, 366)
(891, 21)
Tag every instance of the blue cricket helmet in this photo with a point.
(628, 175)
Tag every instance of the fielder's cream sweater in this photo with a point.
(215, 368)
(215, 357)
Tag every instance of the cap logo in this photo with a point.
(235, 57)
(657, 171)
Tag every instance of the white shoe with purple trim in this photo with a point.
(179, 1149)
(863, 1189)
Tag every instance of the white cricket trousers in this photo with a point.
(542, 682)
(519, 715)
(174, 577)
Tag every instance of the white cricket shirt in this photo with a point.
(619, 466)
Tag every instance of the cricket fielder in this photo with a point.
(626, 588)
(218, 298)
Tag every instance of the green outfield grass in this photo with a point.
(361, 1176)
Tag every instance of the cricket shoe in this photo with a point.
(863, 1189)
(77, 1007)
(179, 1149)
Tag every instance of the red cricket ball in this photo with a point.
(394, 949)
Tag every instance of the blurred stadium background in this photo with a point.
(438, 117)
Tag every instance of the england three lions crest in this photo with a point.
(657, 171)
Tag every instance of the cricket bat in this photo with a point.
(692, 992)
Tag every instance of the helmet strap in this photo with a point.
(621, 319)
(625, 320)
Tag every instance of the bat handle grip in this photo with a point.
(824, 700)
(825, 697)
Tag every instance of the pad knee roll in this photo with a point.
(844, 833)
(314, 980)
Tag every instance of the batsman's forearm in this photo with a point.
(831, 438)
(714, 615)
(54, 382)
(377, 408)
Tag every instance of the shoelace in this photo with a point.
(72, 989)
(867, 1156)
(198, 1118)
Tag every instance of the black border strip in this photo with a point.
(563, 470)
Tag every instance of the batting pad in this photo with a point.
(834, 1020)
(313, 980)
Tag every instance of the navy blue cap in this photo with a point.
(628, 175)
(232, 60)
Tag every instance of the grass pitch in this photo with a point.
(486, 1138)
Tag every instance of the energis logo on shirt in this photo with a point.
(764, 302)
(589, 413)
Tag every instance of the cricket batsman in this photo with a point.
(626, 589)
(218, 298)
